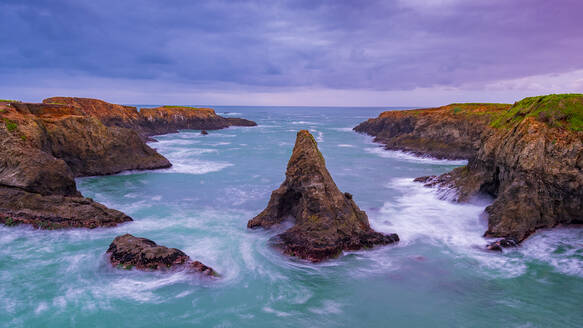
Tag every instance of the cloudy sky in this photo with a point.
(361, 52)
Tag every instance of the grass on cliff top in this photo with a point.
(189, 107)
(556, 110)
(470, 109)
(10, 126)
(9, 100)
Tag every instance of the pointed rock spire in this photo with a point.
(327, 221)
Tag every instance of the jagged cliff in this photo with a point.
(452, 132)
(43, 147)
(151, 121)
(327, 221)
(530, 158)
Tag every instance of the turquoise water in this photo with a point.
(437, 276)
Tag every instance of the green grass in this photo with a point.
(10, 126)
(556, 110)
(9, 100)
(190, 107)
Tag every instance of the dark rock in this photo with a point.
(326, 220)
(129, 252)
(502, 243)
(204, 132)
(449, 132)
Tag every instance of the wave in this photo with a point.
(412, 158)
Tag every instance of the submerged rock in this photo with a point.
(204, 132)
(502, 243)
(129, 252)
(327, 221)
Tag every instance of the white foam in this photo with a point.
(345, 146)
(343, 129)
(304, 123)
(327, 307)
(229, 113)
(412, 158)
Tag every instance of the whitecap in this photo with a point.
(409, 157)
(304, 123)
(345, 146)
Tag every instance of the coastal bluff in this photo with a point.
(45, 146)
(528, 156)
(327, 221)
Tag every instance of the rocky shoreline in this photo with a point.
(528, 156)
(45, 146)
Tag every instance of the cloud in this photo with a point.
(274, 47)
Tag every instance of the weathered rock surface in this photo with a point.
(531, 160)
(129, 252)
(327, 221)
(168, 119)
(449, 132)
(150, 121)
(43, 147)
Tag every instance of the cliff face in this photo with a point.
(150, 121)
(43, 147)
(326, 220)
(531, 159)
(452, 132)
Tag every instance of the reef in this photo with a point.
(326, 221)
(130, 252)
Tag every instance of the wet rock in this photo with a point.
(502, 243)
(528, 157)
(327, 221)
(204, 132)
(129, 252)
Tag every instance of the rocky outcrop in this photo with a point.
(531, 160)
(129, 252)
(43, 147)
(168, 119)
(327, 221)
(150, 121)
(449, 132)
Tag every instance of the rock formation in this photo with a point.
(167, 119)
(130, 252)
(43, 147)
(449, 132)
(150, 121)
(530, 159)
(327, 221)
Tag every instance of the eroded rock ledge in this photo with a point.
(449, 132)
(327, 221)
(530, 158)
(130, 252)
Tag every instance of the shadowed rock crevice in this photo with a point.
(327, 221)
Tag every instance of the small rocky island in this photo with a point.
(327, 221)
(128, 252)
(528, 156)
(44, 147)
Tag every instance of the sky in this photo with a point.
(304, 52)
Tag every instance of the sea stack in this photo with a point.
(130, 252)
(327, 221)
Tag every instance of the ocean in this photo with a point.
(438, 275)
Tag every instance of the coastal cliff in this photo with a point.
(449, 132)
(167, 119)
(327, 221)
(44, 147)
(530, 158)
(150, 121)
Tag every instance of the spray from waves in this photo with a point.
(342, 129)
(562, 248)
(412, 158)
(419, 215)
(319, 135)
